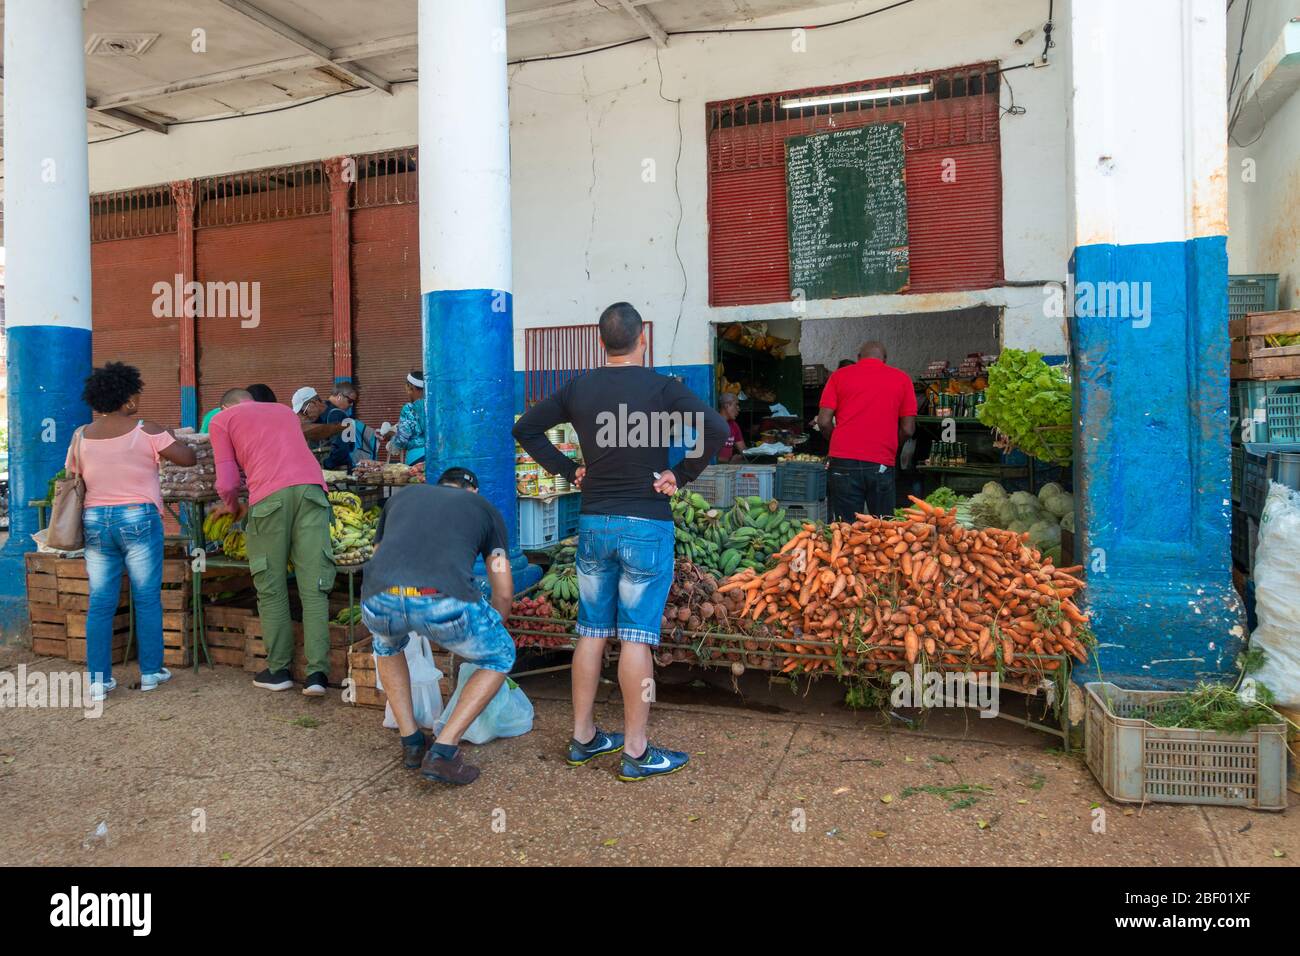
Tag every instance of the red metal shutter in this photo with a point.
(123, 273)
(954, 221)
(389, 339)
(293, 345)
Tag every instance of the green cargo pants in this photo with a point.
(293, 522)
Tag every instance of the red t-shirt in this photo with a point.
(869, 398)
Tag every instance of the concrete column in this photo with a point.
(47, 242)
(465, 283)
(1147, 156)
(183, 203)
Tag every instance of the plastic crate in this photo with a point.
(1138, 762)
(1251, 293)
(1282, 411)
(1254, 477)
(1240, 536)
(755, 480)
(539, 522)
(798, 511)
(801, 480)
(717, 484)
(570, 509)
(1238, 465)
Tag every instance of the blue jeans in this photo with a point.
(119, 536)
(625, 570)
(472, 631)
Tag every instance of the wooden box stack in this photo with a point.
(361, 664)
(255, 650)
(58, 597)
(235, 584)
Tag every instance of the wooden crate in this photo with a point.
(77, 647)
(176, 638)
(1252, 358)
(223, 629)
(255, 651)
(361, 670)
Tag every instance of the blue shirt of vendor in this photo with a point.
(340, 455)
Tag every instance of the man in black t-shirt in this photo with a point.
(627, 418)
(421, 579)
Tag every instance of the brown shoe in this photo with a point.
(454, 770)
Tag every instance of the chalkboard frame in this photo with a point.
(848, 276)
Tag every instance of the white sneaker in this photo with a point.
(150, 681)
(99, 690)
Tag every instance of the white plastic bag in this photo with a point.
(1277, 595)
(426, 697)
(508, 714)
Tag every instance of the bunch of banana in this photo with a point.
(235, 545)
(217, 526)
(560, 583)
(349, 615)
(352, 530)
(743, 536)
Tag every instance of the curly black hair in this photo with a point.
(109, 388)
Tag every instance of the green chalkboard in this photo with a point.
(847, 199)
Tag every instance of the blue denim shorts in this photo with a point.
(474, 632)
(625, 570)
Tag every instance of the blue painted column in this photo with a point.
(1148, 211)
(47, 269)
(467, 305)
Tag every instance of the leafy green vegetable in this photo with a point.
(1024, 395)
(942, 497)
(1213, 707)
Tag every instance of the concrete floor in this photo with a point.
(209, 770)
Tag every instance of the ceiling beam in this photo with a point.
(339, 56)
(359, 75)
(647, 21)
(131, 119)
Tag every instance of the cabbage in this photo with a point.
(1067, 521)
(993, 489)
(1060, 505)
(1019, 527)
(1049, 490)
(984, 510)
(1024, 498)
(1045, 534)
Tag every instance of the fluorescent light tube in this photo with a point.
(859, 97)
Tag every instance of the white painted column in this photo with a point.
(466, 302)
(47, 269)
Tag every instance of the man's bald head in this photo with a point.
(235, 396)
(875, 350)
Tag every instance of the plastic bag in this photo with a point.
(1277, 598)
(508, 714)
(426, 697)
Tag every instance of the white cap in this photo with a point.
(302, 397)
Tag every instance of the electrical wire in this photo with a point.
(681, 209)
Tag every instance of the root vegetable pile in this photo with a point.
(899, 591)
(694, 605)
(537, 614)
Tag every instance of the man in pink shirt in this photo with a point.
(288, 519)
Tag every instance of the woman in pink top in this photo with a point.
(117, 456)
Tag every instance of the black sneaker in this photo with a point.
(413, 754)
(273, 680)
(316, 684)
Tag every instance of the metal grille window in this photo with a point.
(385, 178)
(556, 355)
(132, 213)
(953, 167)
(262, 195)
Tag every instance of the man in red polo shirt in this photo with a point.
(864, 410)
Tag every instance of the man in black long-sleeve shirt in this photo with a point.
(627, 418)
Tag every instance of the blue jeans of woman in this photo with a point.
(126, 537)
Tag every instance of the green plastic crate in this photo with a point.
(1138, 762)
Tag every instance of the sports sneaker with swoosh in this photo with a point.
(655, 762)
(598, 746)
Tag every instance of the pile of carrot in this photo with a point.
(892, 592)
